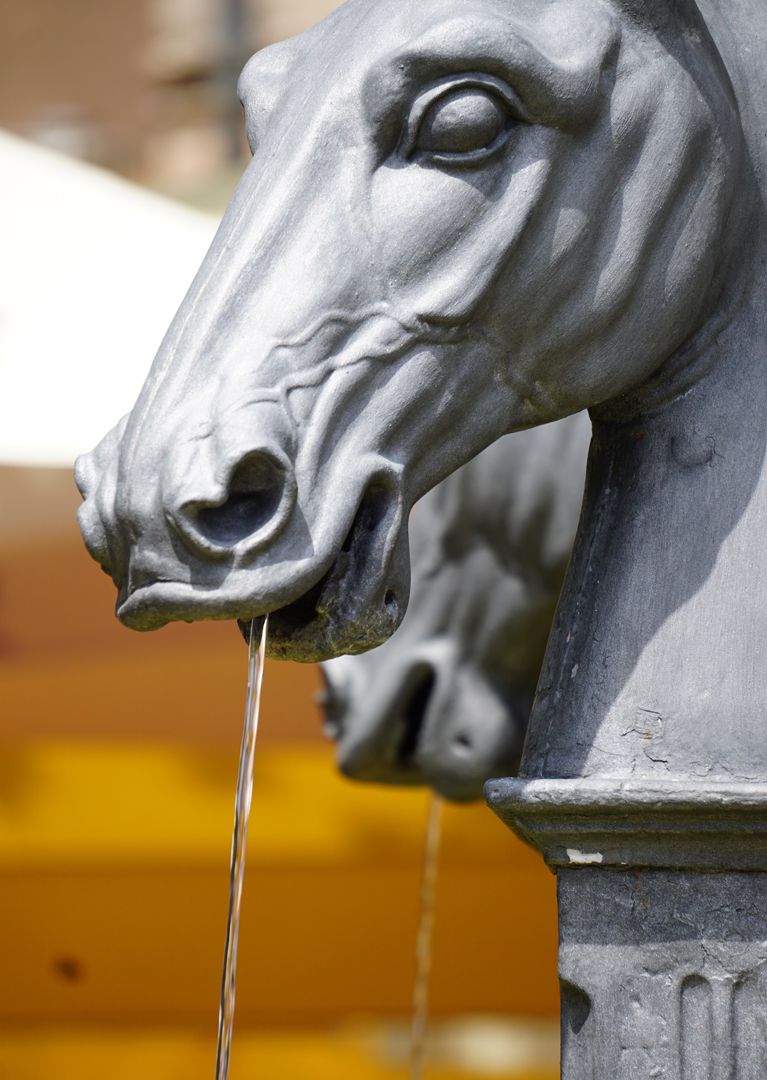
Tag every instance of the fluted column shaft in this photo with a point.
(662, 892)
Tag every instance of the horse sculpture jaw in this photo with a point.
(420, 258)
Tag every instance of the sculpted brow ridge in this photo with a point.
(555, 90)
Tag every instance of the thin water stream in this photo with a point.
(425, 933)
(425, 938)
(256, 659)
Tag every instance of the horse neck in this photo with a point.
(656, 664)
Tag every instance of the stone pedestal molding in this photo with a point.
(661, 960)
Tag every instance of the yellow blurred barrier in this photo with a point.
(113, 897)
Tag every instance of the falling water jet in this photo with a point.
(256, 659)
(424, 938)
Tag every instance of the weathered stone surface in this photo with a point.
(674, 823)
(663, 975)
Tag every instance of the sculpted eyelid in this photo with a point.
(498, 87)
(552, 90)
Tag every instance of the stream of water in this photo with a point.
(256, 659)
(425, 934)
(425, 938)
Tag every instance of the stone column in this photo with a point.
(662, 890)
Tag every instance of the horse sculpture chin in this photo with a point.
(457, 223)
(446, 701)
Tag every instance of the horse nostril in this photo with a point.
(463, 743)
(257, 499)
(89, 517)
(414, 713)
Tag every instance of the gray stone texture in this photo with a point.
(663, 975)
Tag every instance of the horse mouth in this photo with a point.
(355, 605)
(359, 602)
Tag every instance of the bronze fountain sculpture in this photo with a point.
(446, 700)
(463, 220)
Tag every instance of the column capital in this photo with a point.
(674, 824)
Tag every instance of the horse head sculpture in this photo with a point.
(446, 700)
(459, 221)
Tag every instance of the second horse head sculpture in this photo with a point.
(463, 220)
(446, 700)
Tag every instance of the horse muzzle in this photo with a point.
(222, 529)
(435, 721)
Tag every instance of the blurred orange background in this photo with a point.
(119, 751)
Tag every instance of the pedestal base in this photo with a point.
(663, 975)
(663, 922)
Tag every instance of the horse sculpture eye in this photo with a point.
(465, 121)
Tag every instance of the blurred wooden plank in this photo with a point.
(316, 946)
(114, 887)
(167, 693)
(103, 803)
